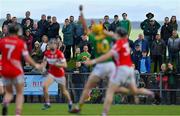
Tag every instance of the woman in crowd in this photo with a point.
(36, 52)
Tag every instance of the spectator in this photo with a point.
(27, 26)
(79, 31)
(85, 55)
(53, 29)
(43, 25)
(7, 21)
(85, 42)
(68, 38)
(174, 49)
(72, 23)
(157, 50)
(144, 63)
(49, 20)
(14, 22)
(166, 30)
(173, 23)
(125, 23)
(171, 73)
(4, 31)
(62, 47)
(115, 24)
(36, 52)
(142, 42)
(24, 21)
(150, 28)
(29, 40)
(77, 81)
(136, 56)
(106, 23)
(131, 44)
(77, 54)
(44, 43)
(36, 33)
(164, 83)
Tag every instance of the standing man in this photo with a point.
(53, 29)
(68, 38)
(126, 24)
(43, 25)
(115, 24)
(7, 21)
(157, 51)
(106, 23)
(13, 48)
(27, 18)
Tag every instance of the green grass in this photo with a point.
(95, 109)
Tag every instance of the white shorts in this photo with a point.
(1, 82)
(124, 76)
(13, 81)
(59, 80)
(103, 70)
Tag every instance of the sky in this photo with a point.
(136, 9)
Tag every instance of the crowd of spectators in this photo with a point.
(151, 51)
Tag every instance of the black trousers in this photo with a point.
(172, 94)
(157, 59)
(68, 52)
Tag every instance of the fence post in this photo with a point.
(160, 74)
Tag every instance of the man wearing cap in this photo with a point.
(125, 23)
(150, 27)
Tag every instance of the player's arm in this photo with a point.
(100, 59)
(110, 34)
(61, 63)
(44, 62)
(83, 21)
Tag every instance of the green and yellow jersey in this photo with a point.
(101, 45)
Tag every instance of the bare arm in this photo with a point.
(31, 61)
(61, 64)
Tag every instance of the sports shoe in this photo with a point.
(75, 110)
(46, 106)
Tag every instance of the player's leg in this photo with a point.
(65, 92)
(19, 98)
(92, 82)
(7, 98)
(112, 88)
(49, 80)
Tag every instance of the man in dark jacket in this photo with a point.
(27, 18)
(68, 38)
(115, 24)
(7, 21)
(174, 49)
(157, 51)
(73, 24)
(144, 46)
(53, 29)
(150, 28)
(136, 56)
(43, 25)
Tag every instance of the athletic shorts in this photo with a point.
(59, 80)
(13, 81)
(124, 76)
(1, 82)
(103, 70)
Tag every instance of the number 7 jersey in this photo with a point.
(121, 52)
(12, 49)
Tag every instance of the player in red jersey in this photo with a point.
(124, 71)
(12, 49)
(57, 62)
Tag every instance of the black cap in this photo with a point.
(150, 15)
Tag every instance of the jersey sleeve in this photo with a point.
(61, 57)
(24, 50)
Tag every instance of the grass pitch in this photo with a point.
(95, 109)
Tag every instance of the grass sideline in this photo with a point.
(95, 109)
